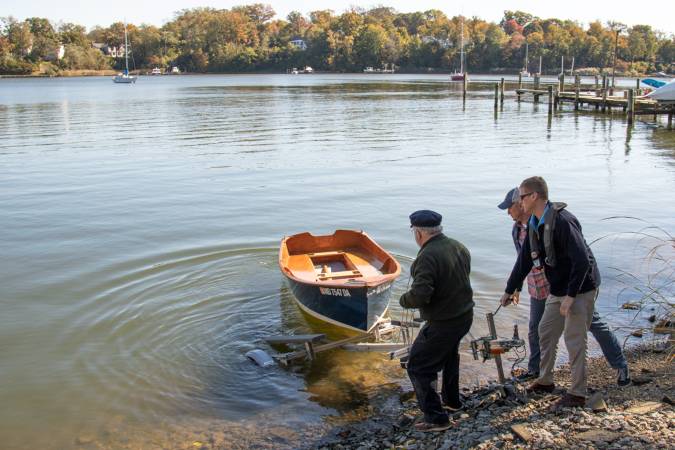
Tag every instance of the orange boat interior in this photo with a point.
(343, 257)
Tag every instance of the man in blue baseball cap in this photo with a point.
(539, 289)
(441, 290)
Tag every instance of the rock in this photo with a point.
(84, 440)
(640, 380)
(644, 408)
(598, 436)
(404, 421)
(630, 306)
(667, 400)
(652, 318)
(597, 403)
(522, 432)
(637, 333)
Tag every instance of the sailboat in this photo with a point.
(459, 76)
(524, 73)
(124, 77)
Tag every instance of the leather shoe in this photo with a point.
(539, 388)
(569, 401)
(426, 426)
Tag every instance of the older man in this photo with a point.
(538, 289)
(442, 292)
(556, 243)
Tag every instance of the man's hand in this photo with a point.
(516, 297)
(506, 299)
(566, 306)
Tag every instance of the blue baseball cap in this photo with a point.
(511, 197)
(425, 218)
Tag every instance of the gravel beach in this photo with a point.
(637, 416)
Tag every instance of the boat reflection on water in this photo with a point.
(339, 379)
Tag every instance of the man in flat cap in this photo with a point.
(441, 290)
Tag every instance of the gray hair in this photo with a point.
(431, 231)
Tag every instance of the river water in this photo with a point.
(140, 226)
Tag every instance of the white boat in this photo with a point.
(459, 76)
(156, 71)
(524, 73)
(124, 77)
(664, 94)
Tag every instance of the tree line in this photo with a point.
(249, 38)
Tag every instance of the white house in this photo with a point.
(299, 43)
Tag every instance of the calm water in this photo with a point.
(140, 224)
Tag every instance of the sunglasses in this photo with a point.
(522, 196)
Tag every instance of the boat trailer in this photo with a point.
(492, 347)
(314, 343)
(486, 347)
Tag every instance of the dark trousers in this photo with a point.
(437, 348)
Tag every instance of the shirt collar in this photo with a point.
(537, 223)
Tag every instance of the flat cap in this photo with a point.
(425, 218)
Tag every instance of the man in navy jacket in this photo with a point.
(555, 242)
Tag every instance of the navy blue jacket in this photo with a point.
(576, 270)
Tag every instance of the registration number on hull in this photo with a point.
(337, 292)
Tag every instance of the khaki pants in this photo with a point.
(575, 328)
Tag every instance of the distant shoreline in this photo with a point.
(108, 72)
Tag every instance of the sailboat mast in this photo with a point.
(461, 48)
(126, 49)
(527, 48)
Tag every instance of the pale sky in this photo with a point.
(659, 15)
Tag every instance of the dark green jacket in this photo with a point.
(441, 288)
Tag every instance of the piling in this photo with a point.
(464, 84)
(670, 119)
(536, 88)
(630, 108)
(596, 82)
(520, 86)
(496, 95)
(577, 86)
(561, 80)
(604, 100)
(550, 100)
(501, 91)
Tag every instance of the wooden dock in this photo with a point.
(598, 96)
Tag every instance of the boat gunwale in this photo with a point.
(372, 281)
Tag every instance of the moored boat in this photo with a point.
(344, 278)
(664, 94)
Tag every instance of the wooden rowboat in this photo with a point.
(344, 278)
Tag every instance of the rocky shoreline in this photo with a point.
(638, 416)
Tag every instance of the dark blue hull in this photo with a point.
(351, 307)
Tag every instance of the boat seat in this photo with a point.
(331, 253)
(342, 274)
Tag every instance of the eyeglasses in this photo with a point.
(522, 196)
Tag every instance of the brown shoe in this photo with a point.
(539, 388)
(569, 401)
(426, 426)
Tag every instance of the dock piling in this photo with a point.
(577, 86)
(536, 88)
(550, 100)
(464, 84)
(630, 107)
(501, 91)
(496, 95)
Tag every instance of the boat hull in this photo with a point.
(354, 308)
